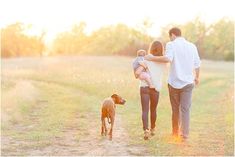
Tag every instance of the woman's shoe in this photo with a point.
(146, 134)
(152, 132)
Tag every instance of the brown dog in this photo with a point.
(108, 111)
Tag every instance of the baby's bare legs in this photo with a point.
(149, 82)
(138, 71)
(146, 77)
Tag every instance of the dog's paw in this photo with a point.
(146, 138)
(110, 137)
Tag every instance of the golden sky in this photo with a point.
(56, 16)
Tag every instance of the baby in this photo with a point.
(140, 69)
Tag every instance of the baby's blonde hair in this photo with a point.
(141, 52)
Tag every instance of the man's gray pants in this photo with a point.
(181, 100)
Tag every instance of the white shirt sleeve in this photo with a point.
(197, 61)
(169, 51)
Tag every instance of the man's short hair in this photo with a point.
(176, 31)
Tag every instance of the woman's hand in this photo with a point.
(148, 57)
(142, 64)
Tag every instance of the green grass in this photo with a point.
(68, 90)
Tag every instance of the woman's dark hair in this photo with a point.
(156, 48)
(176, 31)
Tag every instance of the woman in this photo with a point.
(150, 96)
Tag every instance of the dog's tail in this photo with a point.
(109, 120)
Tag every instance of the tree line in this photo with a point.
(15, 43)
(215, 41)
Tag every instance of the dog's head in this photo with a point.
(118, 99)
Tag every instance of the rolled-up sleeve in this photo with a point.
(197, 61)
(169, 51)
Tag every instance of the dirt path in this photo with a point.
(90, 143)
(118, 146)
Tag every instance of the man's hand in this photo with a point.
(196, 81)
(148, 57)
(161, 59)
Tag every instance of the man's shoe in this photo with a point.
(174, 135)
(183, 139)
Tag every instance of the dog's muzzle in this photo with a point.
(123, 102)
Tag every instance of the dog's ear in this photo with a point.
(114, 96)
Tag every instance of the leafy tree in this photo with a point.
(219, 41)
(15, 43)
(113, 39)
(71, 42)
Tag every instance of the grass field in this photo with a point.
(51, 106)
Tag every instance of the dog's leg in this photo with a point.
(102, 126)
(111, 130)
(105, 128)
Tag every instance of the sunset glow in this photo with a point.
(58, 16)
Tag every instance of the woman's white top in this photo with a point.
(156, 71)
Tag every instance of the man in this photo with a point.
(184, 60)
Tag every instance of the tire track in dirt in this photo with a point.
(11, 145)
